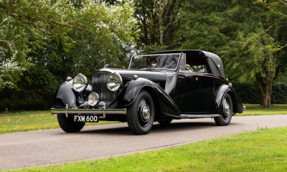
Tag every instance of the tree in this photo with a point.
(276, 6)
(60, 27)
(253, 55)
(158, 21)
(247, 36)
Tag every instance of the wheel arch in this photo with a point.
(220, 92)
(165, 104)
(155, 98)
(65, 95)
(233, 98)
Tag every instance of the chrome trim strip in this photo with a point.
(87, 111)
(199, 115)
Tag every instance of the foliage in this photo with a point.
(276, 6)
(279, 93)
(260, 150)
(246, 35)
(249, 92)
(56, 39)
(158, 22)
(57, 34)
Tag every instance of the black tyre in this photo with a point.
(227, 111)
(140, 114)
(165, 121)
(68, 125)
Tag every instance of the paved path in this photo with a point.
(37, 148)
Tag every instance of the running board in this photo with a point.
(199, 115)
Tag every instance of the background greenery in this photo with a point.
(44, 41)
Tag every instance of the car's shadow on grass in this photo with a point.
(157, 128)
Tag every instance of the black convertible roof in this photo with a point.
(214, 61)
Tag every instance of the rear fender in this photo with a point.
(236, 102)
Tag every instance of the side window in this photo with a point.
(198, 68)
(197, 64)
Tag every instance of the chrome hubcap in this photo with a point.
(226, 108)
(145, 113)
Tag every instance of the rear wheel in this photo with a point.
(227, 110)
(140, 114)
(68, 125)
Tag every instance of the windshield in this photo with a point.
(156, 61)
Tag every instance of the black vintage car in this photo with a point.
(160, 87)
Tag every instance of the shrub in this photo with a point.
(249, 93)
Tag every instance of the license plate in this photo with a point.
(86, 118)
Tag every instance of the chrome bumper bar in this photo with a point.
(88, 111)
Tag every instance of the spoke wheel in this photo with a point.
(226, 109)
(140, 114)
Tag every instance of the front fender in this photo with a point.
(220, 92)
(66, 95)
(129, 94)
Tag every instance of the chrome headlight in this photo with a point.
(114, 81)
(93, 98)
(79, 82)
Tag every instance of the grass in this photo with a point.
(256, 109)
(32, 120)
(11, 122)
(260, 150)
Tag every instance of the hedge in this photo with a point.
(248, 93)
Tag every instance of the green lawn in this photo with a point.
(256, 109)
(40, 120)
(31, 120)
(261, 150)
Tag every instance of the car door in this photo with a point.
(194, 93)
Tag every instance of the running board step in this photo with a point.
(199, 115)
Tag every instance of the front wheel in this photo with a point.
(227, 110)
(68, 125)
(140, 114)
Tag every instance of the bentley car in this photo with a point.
(160, 86)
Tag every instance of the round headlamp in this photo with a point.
(114, 81)
(79, 82)
(93, 98)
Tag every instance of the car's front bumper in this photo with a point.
(67, 111)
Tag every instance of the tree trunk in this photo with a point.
(265, 87)
(144, 25)
(160, 31)
(153, 29)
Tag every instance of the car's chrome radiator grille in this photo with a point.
(100, 87)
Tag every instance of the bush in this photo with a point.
(24, 104)
(248, 93)
(279, 94)
(22, 100)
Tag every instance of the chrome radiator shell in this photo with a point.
(99, 84)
